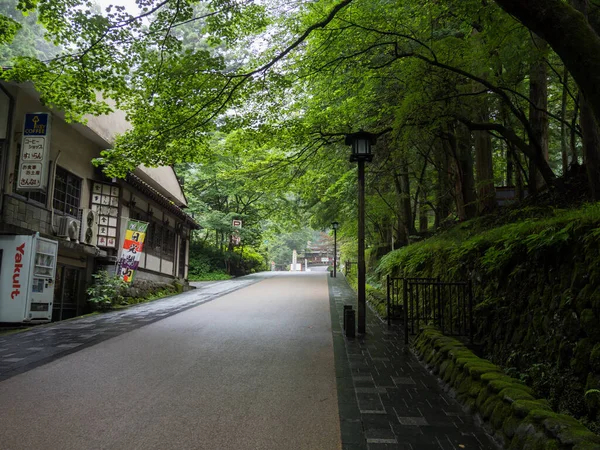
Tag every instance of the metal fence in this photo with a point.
(351, 267)
(429, 301)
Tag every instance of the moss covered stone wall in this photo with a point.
(510, 408)
(537, 285)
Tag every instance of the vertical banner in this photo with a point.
(35, 150)
(132, 249)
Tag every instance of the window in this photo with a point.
(168, 244)
(153, 239)
(160, 241)
(67, 192)
(39, 197)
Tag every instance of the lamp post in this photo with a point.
(335, 226)
(361, 151)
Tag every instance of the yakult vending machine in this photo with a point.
(27, 272)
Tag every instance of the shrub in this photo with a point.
(106, 291)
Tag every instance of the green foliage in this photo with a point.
(209, 276)
(495, 247)
(204, 259)
(107, 291)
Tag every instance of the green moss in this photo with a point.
(496, 386)
(522, 408)
(512, 394)
(565, 354)
(510, 425)
(477, 370)
(595, 359)
(589, 324)
(489, 405)
(491, 376)
(570, 326)
(500, 413)
(581, 356)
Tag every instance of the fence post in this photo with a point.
(471, 311)
(405, 298)
(389, 320)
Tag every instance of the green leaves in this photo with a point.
(8, 29)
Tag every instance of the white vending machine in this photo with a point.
(27, 273)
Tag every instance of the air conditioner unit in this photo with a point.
(68, 228)
(89, 227)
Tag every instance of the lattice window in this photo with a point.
(67, 192)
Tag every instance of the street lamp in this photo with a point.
(361, 151)
(335, 226)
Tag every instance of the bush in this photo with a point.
(106, 291)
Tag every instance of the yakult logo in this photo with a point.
(17, 271)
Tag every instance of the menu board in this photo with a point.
(105, 201)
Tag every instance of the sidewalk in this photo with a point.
(41, 344)
(387, 400)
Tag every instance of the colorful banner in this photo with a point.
(35, 149)
(132, 249)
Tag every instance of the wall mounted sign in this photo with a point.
(35, 150)
(105, 201)
(132, 249)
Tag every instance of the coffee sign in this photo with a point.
(35, 149)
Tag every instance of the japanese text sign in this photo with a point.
(35, 148)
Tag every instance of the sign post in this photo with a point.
(236, 239)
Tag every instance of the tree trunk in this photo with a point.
(569, 34)
(406, 206)
(538, 97)
(442, 188)
(486, 191)
(591, 148)
(589, 128)
(510, 165)
(465, 171)
(574, 156)
(402, 237)
(519, 184)
(563, 126)
(423, 218)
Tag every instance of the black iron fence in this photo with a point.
(351, 267)
(430, 301)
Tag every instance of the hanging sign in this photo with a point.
(132, 249)
(35, 150)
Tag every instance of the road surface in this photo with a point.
(251, 370)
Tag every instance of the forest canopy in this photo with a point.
(466, 97)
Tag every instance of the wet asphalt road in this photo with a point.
(251, 370)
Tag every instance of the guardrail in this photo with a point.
(430, 301)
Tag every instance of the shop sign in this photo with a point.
(35, 150)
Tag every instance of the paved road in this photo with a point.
(39, 345)
(252, 370)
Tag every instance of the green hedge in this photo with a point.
(507, 405)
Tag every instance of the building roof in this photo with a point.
(159, 198)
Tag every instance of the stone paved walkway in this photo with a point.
(387, 399)
(41, 344)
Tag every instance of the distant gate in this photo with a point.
(429, 301)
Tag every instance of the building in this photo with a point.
(61, 208)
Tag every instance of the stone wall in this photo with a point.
(537, 291)
(510, 409)
(26, 215)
